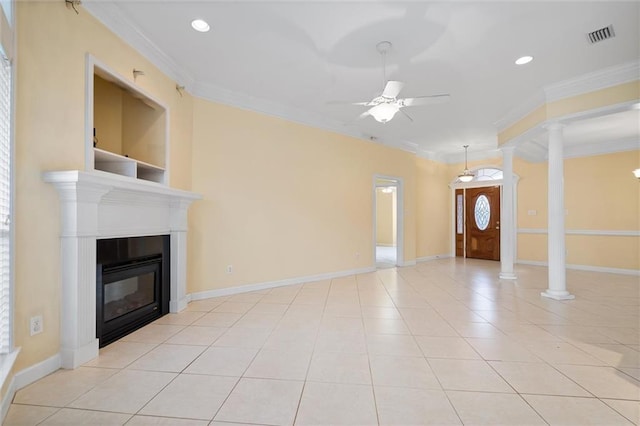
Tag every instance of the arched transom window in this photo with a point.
(487, 174)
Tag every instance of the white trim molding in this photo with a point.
(521, 111)
(599, 148)
(25, 377)
(585, 83)
(7, 399)
(37, 371)
(96, 205)
(590, 82)
(599, 232)
(398, 183)
(589, 268)
(434, 257)
(112, 17)
(6, 364)
(228, 291)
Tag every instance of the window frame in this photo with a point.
(9, 354)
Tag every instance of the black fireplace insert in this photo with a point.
(133, 284)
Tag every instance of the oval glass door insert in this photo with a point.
(482, 212)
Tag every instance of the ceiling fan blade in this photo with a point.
(363, 115)
(392, 89)
(425, 100)
(349, 103)
(406, 115)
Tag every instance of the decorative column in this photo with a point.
(507, 228)
(178, 220)
(556, 235)
(79, 214)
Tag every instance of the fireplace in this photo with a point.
(97, 206)
(132, 284)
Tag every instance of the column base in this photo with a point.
(74, 357)
(178, 305)
(557, 295)
(507, 276)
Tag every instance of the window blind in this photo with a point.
(5, 204)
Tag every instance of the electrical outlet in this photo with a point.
(357, 255)
(229, 269)
(35, 325)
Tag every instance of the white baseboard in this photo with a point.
(37, 371)
(27, 376)
(6, 364)
(585, 267)
(437, 256)
(280, 283)
(7, 399)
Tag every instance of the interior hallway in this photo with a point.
(444, 342)
(386, 257)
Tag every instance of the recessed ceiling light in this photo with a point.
(200, 25)
(524, 60)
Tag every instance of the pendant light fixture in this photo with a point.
(466, 175)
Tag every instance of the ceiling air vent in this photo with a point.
(601, 34)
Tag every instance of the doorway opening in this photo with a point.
(387, 232)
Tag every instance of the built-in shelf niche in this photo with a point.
(127, 128)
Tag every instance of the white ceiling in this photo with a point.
(293, 58)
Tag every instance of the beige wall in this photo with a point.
(143, 131)
(50, 105)
(283, 200)
(385, 218)
(433, 221)
(107, 115)
(601, 194)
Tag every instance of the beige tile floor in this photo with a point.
(441, 343)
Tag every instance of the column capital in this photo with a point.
(507, 149)
(554, 125)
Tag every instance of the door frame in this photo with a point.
(481, 184)
(399, 185)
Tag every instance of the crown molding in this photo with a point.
(601, 79)
(411, 147)
(458, 157)
(220, 95)
(532, 151)
(522, 110)
(585, 83)
(427, 155)
(112, 16)
(601, 148)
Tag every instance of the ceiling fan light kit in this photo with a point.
(384, 112)
(384, 107)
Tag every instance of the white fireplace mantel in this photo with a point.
(97, 205)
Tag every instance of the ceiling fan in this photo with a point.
(384, 107)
